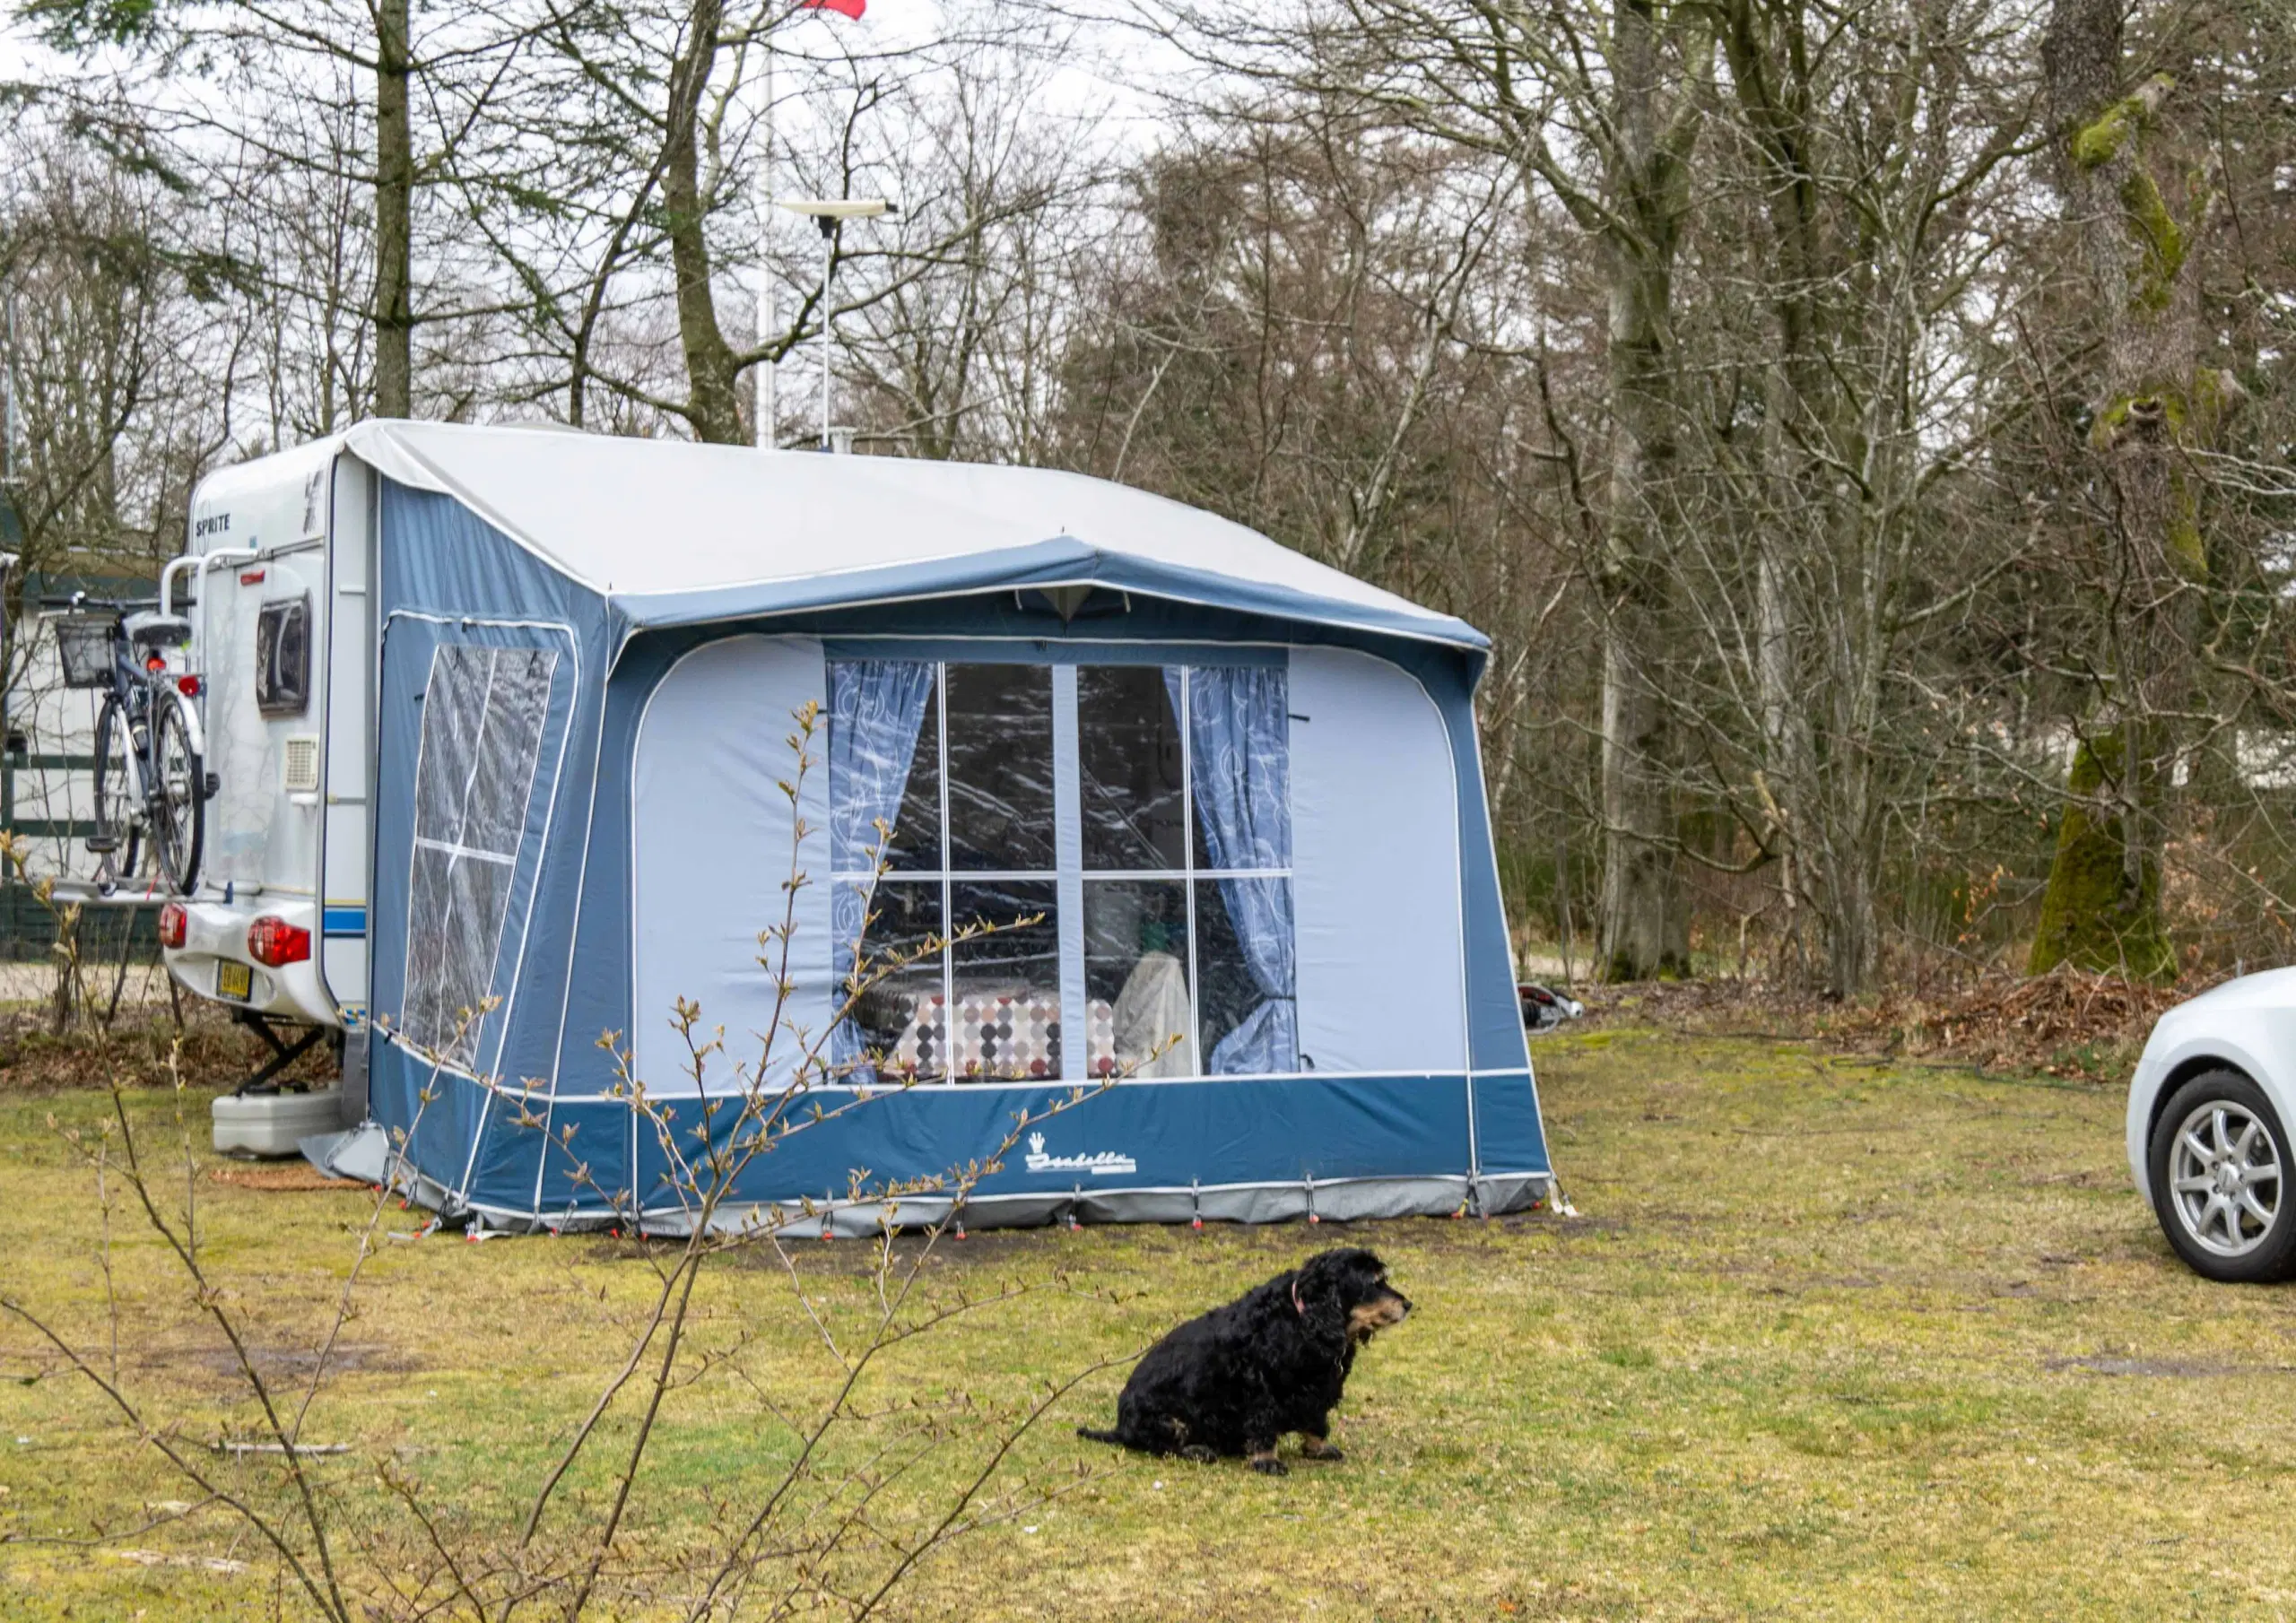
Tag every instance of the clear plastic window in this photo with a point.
(899, 1026)
(1000, 768)
(1005, 984)
(1138, 961)
(482, 714)
(1133, 767)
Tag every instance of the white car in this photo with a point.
(2207, 1134)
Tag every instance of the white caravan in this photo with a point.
(275, 583)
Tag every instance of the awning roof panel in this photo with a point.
(672, 531)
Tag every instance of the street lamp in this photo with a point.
(828, 213)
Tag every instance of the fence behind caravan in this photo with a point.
(48, 730)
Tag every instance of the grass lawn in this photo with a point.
(1829, 1337)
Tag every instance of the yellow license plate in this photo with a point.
(234, 981)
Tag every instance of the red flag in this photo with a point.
(843, 8)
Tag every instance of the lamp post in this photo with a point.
(828, 213)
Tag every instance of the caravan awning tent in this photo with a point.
(1223, 804)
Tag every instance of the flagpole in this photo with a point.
(827, 214)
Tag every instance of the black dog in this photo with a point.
(1238, 1378)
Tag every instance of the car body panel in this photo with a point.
(2248, 1025)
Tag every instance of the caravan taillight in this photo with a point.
(272, 942)
(174, 924)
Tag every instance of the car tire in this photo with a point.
(2231, 1220)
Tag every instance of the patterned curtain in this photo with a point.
(876, 708)
(1239, 740)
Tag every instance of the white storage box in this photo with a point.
(273, 1123)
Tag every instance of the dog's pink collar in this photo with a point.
(1297, 1305)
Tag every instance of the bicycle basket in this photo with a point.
(84, 645)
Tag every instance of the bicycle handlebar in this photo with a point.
(81, 600)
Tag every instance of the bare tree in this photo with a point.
(1602, 107)
(2142, 246)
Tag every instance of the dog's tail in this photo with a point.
(1093, 1435)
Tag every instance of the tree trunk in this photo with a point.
(1818, 810)
(2093, 916)
(2154, 403)
(1645, 925)
(394, 216)
(1645, 929)
(713, 376)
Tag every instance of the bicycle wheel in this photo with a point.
(178, 799)
(117, 832)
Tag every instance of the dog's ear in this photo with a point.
(1349, 1273)
(1324, 1271)
(1319, 1293)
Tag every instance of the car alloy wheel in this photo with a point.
(2225, 1179)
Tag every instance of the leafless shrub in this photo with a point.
(837, 1529)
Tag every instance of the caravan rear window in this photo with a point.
(283, 656)
(967, 799)
(482, 714)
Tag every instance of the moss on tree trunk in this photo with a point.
(2101, 912)
(2156, 404)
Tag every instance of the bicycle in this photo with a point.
(151, 750)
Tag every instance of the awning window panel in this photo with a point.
(1137, 953)
(518, 701)
(896, 1028)
(1132, 762)
(453, 712)
(884, 755)
(1000, 768)
(1183, 961)
(1244, 953)
(483, 710)
(1004, 983)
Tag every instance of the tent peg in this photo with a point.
(1196, 1204)
(1313, 1215)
